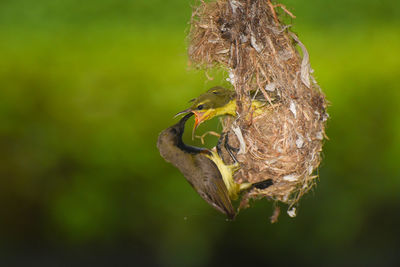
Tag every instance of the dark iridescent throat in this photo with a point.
(181, 144)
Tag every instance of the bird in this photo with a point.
(219, 101)
(202, 168)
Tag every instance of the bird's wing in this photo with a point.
(201, 172)
(212, 187)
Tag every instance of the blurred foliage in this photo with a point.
(86, 86)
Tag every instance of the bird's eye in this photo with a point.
(215, 92)
(200, 107)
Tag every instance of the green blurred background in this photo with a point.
(85, 88)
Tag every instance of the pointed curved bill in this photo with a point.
(183, 112)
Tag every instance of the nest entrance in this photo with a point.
(284, 142)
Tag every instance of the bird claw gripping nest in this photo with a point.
(283, 143)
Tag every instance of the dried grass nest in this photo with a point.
(246, 38)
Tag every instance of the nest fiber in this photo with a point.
(284, 141)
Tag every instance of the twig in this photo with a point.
(272, 7)
(201, 137)
(285, 9)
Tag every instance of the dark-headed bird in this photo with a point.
(202, 168)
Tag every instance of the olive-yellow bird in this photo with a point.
(219, 101)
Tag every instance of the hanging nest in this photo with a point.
(284, 142)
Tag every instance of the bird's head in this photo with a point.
(173, 134)
(212, 103)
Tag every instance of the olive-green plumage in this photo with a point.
(214, 98)
(197, 166)
(219, 101)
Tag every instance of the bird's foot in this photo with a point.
(229, 148)
(234, 167)
(223, 140)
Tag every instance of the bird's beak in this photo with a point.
(183, 112)
(199, 118)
